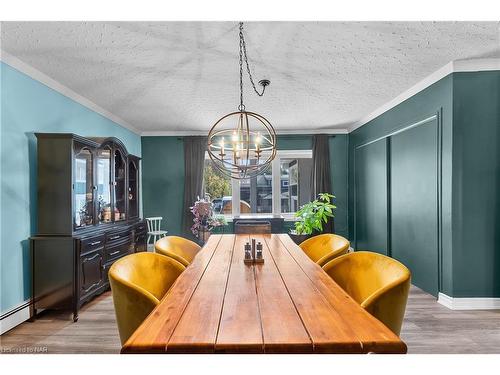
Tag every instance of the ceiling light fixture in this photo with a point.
(242, 144)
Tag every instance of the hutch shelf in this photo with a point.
(88, 217)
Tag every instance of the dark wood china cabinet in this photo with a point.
(88, 217)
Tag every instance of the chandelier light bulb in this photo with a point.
(257, 139)
(222, 148)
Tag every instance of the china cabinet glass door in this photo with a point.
(133, 202)
(103, 175)
(119, 187)
(83, 188)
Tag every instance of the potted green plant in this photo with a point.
(312, 216)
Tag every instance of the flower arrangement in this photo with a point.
(204, 219)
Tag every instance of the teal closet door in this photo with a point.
(370, 222)
(414, 203)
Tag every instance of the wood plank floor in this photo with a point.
(428, 328)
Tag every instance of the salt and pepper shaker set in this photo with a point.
(253, 253)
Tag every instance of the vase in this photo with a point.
(299, 238)
(203, 236)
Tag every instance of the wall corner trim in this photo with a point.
(456, 66)
(185, 133)
(19, 315)
(475, 303)
(37, 75)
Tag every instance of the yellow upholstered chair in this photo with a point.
(325, 247)
(138, 283)
(178, 248)
(378, 283)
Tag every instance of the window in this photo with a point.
(218, 187)
(295, 183)
(281, 189)
(256, 194)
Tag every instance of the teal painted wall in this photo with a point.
(163, 176)
(294, 142)
(338, 171)
(28, 106)
(370, 183)
(469, 110)
(413, 172)
(476, 184)
(163, 180)
(435, 99)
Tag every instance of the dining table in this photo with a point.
(287, 304)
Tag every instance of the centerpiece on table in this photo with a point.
(205, 220)
(311, 218)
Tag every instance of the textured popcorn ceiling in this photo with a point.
(171, 76)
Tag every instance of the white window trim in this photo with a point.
(235, 193)
(276, 185)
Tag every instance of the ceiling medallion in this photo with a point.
(242, 144)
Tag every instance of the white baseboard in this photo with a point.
(13, 320)
(469, 303)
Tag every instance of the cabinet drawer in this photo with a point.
(115, 238)
(115, 252)
(92, 244)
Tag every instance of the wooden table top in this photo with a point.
(286, 305)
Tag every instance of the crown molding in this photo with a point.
(37, 75)
(60, 88)
(474, 65)
(186, 133)
(313, 131)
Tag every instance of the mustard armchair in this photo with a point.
(325, 247)
(378, 283)
(138, 283)
(178, 248)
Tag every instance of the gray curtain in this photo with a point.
(320, 174)
(194, 156)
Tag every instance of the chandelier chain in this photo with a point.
(244, 57)
(242, 106)
(242, 144)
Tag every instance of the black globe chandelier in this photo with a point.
(242, 144)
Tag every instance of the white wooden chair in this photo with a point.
(154, 228)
